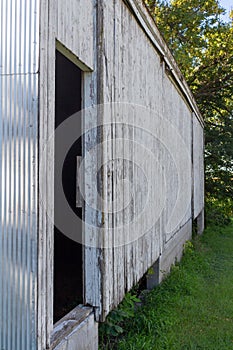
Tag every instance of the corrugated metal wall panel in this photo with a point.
(19, 36)
(18, 173)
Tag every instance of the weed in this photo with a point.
(191, 309)
(115, 322)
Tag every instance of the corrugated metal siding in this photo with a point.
(18, 173)
(19, 36)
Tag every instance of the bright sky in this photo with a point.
(228, 5)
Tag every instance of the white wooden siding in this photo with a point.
(133, 72)
(198, 168)
(127, 61)
(71, 26)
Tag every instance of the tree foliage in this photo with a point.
(202, 44)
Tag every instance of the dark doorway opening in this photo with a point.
(68, 278)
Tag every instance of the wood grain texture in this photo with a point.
(125, 60)
(133, 72)
(65, 326)
(73, 26)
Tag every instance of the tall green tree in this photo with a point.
(202, 45)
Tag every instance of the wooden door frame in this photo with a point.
(48, 48)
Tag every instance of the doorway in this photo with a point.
(68, 270)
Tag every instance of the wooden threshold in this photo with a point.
(65, 325)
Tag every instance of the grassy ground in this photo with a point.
(193, 307)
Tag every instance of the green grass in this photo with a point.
(193, 307)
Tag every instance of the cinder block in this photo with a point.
(173, 250)
(152, 277)
(200, 222)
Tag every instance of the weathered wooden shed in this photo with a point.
(87, 209)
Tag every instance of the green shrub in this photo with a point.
(218, 212)
(117, 320)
